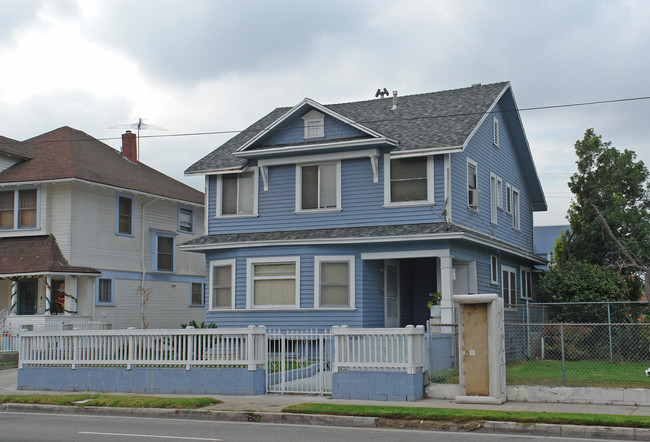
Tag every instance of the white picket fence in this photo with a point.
(9, 342)
(186, 347)
(379, 349)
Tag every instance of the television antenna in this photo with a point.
(138, 125)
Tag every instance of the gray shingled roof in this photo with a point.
(423, 121)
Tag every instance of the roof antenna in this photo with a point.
(139, 125)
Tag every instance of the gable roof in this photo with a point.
(442, 120)
(35, 255)
(16, 149)
(67, 153)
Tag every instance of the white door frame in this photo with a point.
(390, 321)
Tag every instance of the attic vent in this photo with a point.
(314, 124)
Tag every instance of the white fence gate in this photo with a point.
(299, 361)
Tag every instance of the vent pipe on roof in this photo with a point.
(130, 146)
(394, 101)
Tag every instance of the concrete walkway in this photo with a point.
(271, 405)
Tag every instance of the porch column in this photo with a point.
(14, 297)
(447, 289)
(48, 295)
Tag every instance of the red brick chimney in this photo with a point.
(130, 146)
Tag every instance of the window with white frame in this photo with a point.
(19, 209)
(495, 131)
(237, 194)
(222, 284)
(165, 252)
(196, 294)
(105, 291)
(508, 199)
(499, 193)
(409, 180)
(515, 209)
(526, 283)
(494, 197)
(318, 186)
(125, 215)
(273, 282)
(473, 195)
(314, 124)
(185, 220)
(509, 285)
(494, 269)
(334, 281)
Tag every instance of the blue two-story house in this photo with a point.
(352, 213)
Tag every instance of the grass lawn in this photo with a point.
(109, 400)
(450, 414)
(578, 374)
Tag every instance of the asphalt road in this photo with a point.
(33, 427)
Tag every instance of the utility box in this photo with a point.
(481, 349)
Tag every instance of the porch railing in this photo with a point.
(17, 323)
(186, 347)
(379, 349)
(9, 342)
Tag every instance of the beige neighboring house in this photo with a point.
(88, 233)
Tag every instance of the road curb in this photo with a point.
(577, 431)
(215, 415)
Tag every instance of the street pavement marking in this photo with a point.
(148, 435)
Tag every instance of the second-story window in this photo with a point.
(185, 220)
(515, 209)
(473, 194)
(19, 209)
(165, 253)
(317, 187)
(125, 215)
(409, 180)
(237, 194)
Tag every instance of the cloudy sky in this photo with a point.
(197, 66)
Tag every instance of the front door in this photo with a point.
(27, 290)
(391, 294)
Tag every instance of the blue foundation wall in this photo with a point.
(378, 385)
(226, 381)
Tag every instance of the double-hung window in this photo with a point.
(318, 186)
(196, 293)
(165, 252)
(19, 209)
(273, 282)
(495, 197)
(105, 291)
(509, 285)
(473, 195)
(334, 281)
(125, 215)
(185, 220)
(237, 194)
(409, 180)
(222, 284)
(494, 269)
(516, 222)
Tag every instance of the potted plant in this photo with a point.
(434, 304)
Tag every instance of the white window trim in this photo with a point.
(16, 210)
(298, 192)
(222, 263)
(513, 271)
(494, 198)
(430, 185)
(250, 282)
(102, 303)
(499, 193)
(180, 208)
(351, 288)
(202, 304)
(495, 131)
(311, 117)
(527, 295)
(475, 164)
(516, 211)
(117, 215)
(219, 193)
(494, 269)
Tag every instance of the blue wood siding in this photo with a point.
(362, 202)
(503, 162)
(292, 131)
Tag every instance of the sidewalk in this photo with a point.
(268, 408)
